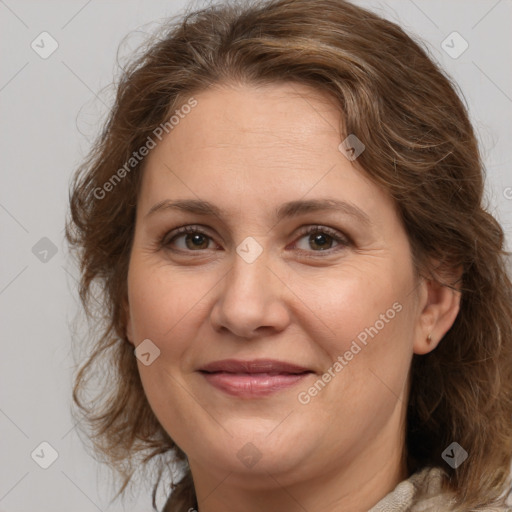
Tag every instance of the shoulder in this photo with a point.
(422, 492)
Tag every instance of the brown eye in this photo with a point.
(320, 238)
(194, 239)
(320, 241)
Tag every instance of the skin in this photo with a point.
(249, 149)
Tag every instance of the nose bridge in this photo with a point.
(249, 280)
(250, 267)
(251, 295)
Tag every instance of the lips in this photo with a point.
(253, 366)
(255, 378)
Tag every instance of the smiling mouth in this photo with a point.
(248, 385)
(252, 379)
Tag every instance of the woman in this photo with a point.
(305, 301)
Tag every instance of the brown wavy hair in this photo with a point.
(420, 148)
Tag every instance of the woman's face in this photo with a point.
(341, 302)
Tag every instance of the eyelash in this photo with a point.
(342, 240)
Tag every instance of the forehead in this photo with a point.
(250, 116)
(259, 145)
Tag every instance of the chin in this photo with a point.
(258, 454)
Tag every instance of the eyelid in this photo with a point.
(340, 237)
(334, 233)
(183, 230)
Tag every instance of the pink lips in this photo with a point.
(248, 379)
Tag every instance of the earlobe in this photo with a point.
(440, 309)
(425, 346)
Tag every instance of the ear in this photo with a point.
(439, 305)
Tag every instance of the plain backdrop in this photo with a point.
(51, 109)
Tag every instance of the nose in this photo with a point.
(252, 300)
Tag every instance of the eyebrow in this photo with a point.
(286, 210)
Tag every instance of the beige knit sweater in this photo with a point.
(404, 498)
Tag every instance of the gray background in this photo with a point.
(51, 110)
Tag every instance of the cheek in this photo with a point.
(169, 307)
(358, 305)
(160, 299)
(369, 328)
(171, 402)
(162, 306)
